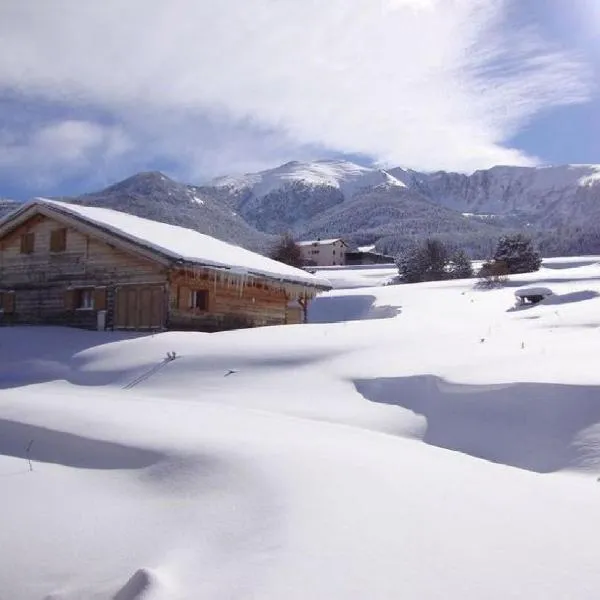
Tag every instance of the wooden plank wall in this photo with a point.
(41, 278)
(40, 281)
(234, 301)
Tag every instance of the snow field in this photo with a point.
(422, 441)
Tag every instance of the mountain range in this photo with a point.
(390, 208)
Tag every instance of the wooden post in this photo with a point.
(303, 302)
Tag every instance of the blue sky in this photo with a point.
(566, 134)
(93, 92)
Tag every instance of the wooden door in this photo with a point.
(140, 307)
(157, 312)
(132, 304)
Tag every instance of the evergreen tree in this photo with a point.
(518, 254)
(432, 261)
(411, 265)
(460, 266)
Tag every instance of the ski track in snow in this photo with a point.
(425, 441)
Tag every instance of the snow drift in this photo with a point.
(448, 450)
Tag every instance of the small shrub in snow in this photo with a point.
(492, 274)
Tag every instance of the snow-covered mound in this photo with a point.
(420, 441)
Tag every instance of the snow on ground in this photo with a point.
(424, 441)
(357, 276)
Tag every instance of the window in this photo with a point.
(84, 299)
(199, 299)
(58, 240)
(27, 243)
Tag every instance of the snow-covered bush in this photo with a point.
(460, 266)
(431, 260)
(518, 254)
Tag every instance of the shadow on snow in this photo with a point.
(57, 447)
(558, 299)
(337, 309)
(30, 355)
(534, 426)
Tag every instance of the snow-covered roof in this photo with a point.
(182, 244)
(319, 242)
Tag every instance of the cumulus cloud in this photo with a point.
(422, 83)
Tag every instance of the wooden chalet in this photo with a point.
(66, 264)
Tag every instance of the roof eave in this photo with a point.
(286, 280)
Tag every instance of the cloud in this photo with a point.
(423, 83)
(66, 149)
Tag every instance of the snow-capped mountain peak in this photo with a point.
(548, 195)
(348, 177)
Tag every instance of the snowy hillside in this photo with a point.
(396, 217)
(335, 197)
(548, 195)
(155, 196)
(7, 206)
(343, 175)
(292, 195)
(313, 199)
(421, 441)
(558, 206)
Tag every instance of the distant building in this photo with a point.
(324, 253)
(361, 257)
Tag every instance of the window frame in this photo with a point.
(63, 239)
(27, 247)
(80, 295)
(195, 295)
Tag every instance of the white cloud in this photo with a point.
(422, 83)
(62, 149)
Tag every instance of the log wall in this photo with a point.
(45, 266)
(233, 301)
(40, 280)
